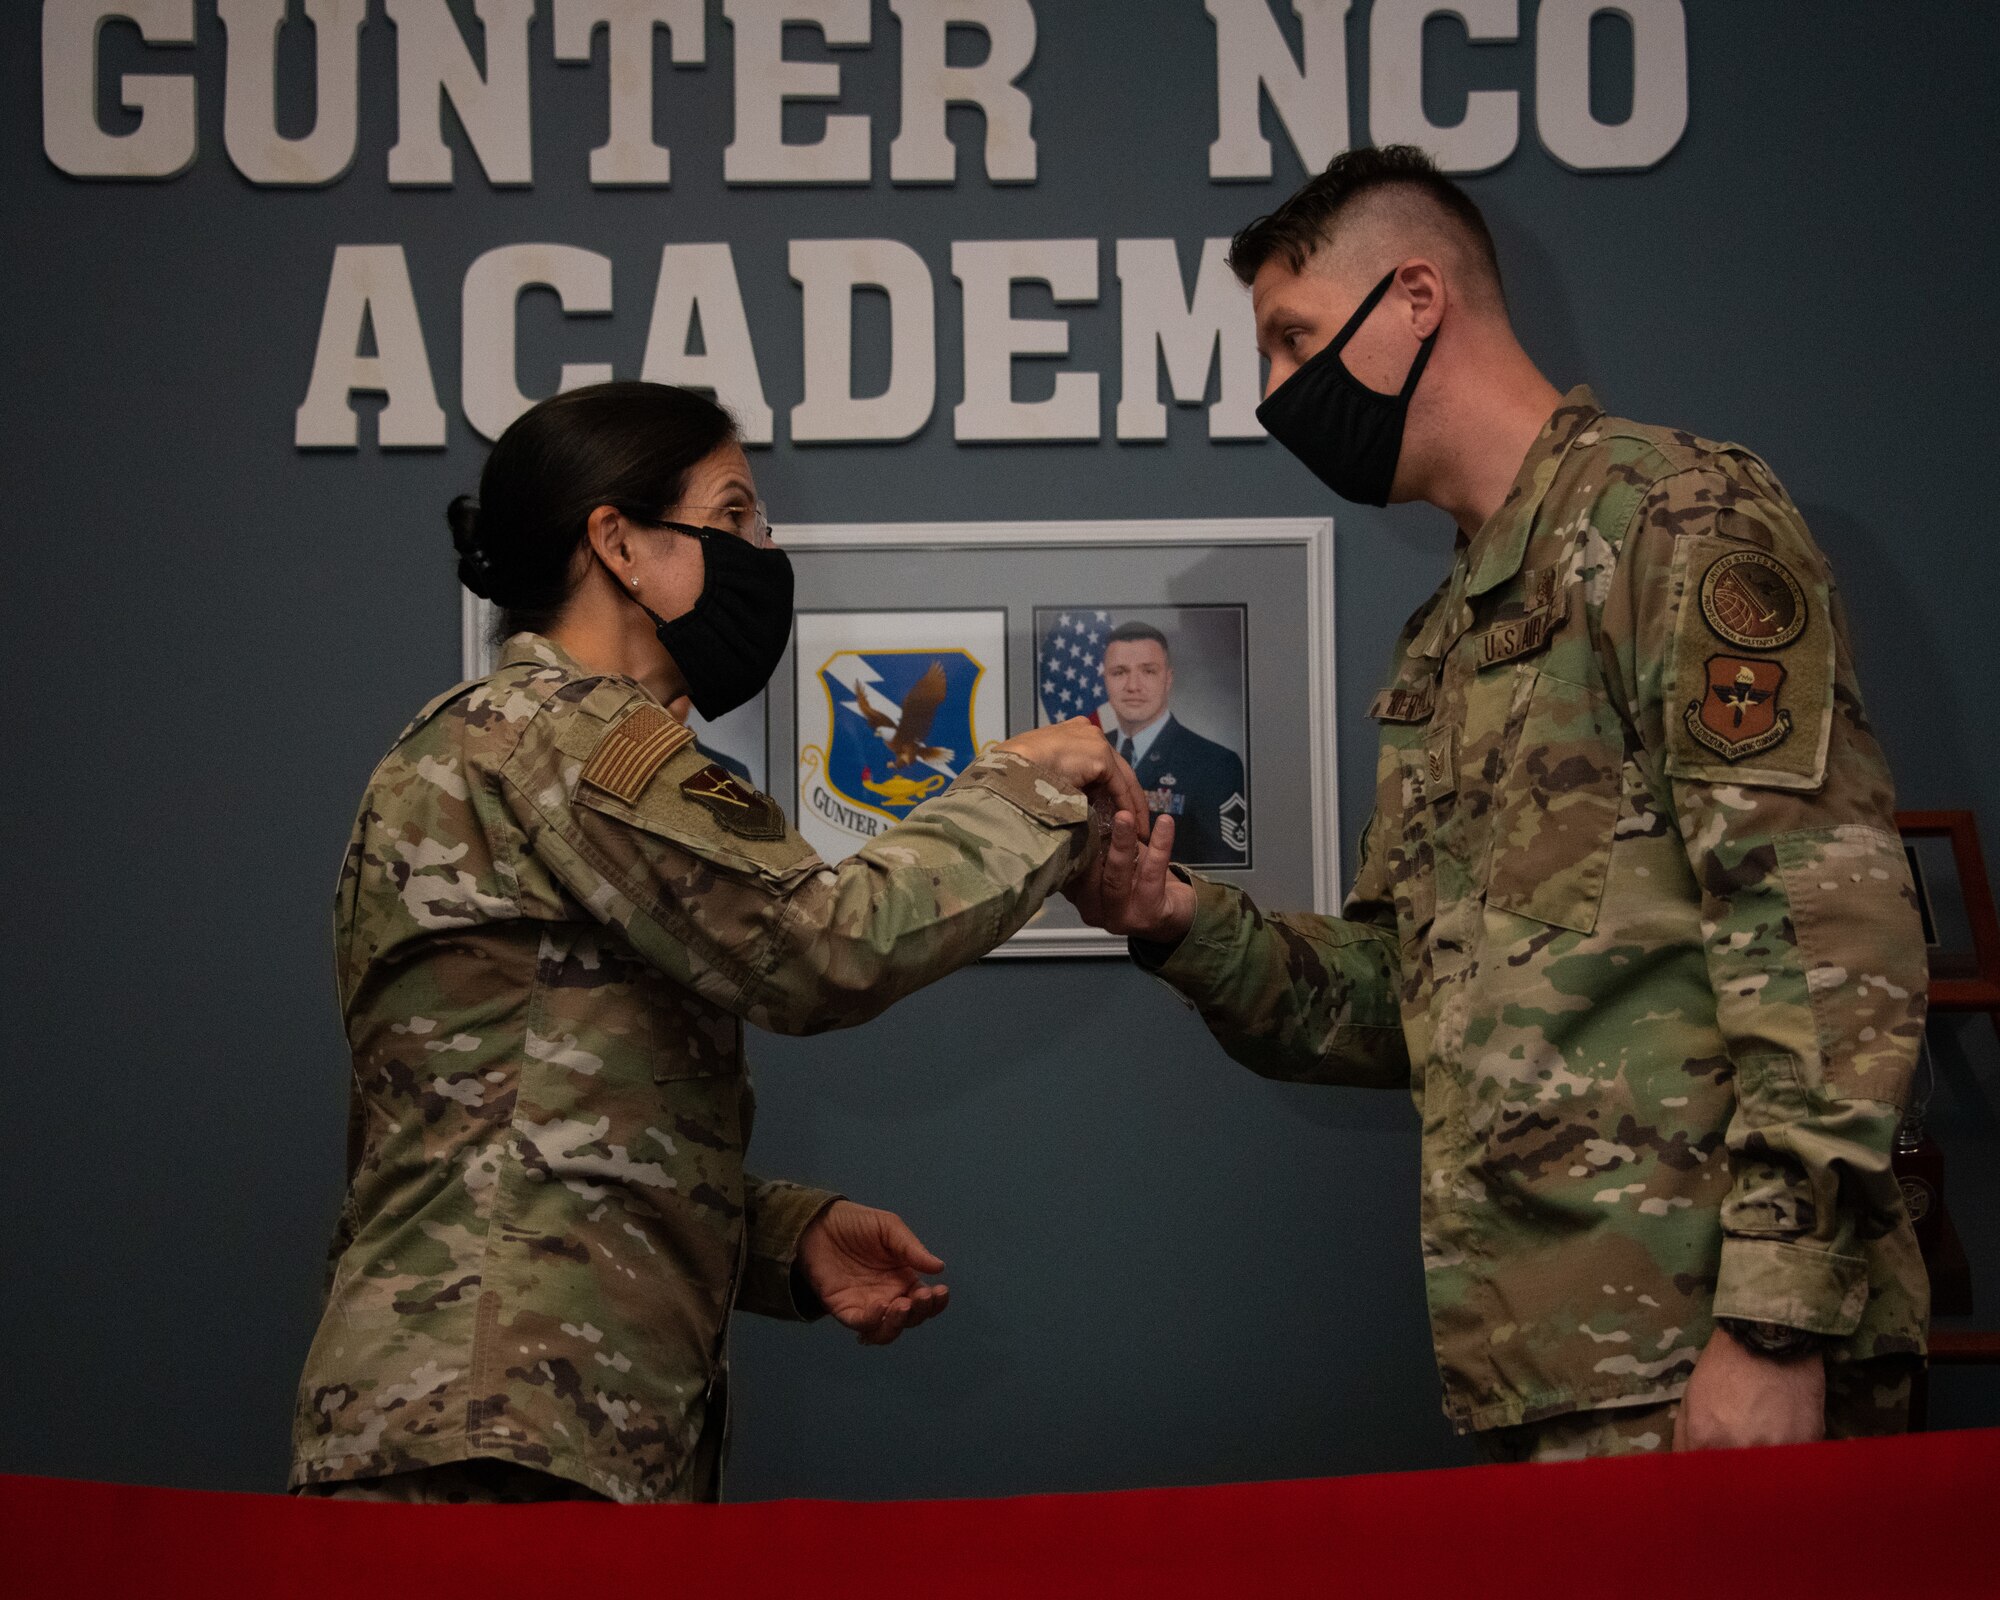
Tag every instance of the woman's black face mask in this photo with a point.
(1349, 435)
(731, 640)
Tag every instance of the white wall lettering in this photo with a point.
(433, 60)
(628, 155)
(700, 280)
(765, 80)
(491, 393)
(829, 271)
(988, 271)
(1252, 59)
(165, 143)
(1659, 85)
(370, 288)
(1486, 135)
(1158, 320)
(250, 99)
(922, 152)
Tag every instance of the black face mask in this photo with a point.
(1349, 435)
(732, 639)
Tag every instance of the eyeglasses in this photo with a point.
(757, 533)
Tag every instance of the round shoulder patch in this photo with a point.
(1752, 600)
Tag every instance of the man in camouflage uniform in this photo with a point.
(555, 917)
(1632, 922)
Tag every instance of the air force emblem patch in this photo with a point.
(901, 725)
(1739, 714)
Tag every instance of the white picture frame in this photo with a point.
(1046, 562)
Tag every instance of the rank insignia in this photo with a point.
(742, 810)
(1753, 601)
(1739, 714)
(1441, 764)
(1233, 819)
(628, 756)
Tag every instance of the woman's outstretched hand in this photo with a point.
(1077, 752)
(867, 1269)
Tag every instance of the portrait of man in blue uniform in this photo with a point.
(1119, 669)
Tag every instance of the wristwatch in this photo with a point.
(1771, 1338)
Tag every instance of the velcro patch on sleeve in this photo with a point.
(742, 810)
(1751, 698)
(628, 757)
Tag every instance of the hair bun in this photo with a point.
(475, 566)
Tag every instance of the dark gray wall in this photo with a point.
(1165, 1270)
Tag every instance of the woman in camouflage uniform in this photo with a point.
(556, 915)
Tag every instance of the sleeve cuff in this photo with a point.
(1188, 965)
(1794, 1285)
(1035, 790)
(777, 1216)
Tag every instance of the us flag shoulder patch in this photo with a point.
(631, 753)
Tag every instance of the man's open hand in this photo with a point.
(1129, 889)
(866, 1267)
(1737, 1398)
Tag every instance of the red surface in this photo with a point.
(1908, 1516)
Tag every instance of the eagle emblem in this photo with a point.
(906, 732)
(901, 725)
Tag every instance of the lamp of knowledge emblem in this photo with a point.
(900, 725)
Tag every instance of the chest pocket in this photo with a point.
(1556, 810)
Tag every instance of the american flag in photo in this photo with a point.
(1069, 667)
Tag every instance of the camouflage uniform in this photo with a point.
(1632, 924)
(554, 919)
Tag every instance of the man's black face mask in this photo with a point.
(1349, 435)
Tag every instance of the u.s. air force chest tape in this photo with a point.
(642, 767)
(1750, 693)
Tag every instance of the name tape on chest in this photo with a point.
(631, 753)
(1405, 705)
(1508, 641)
(1522, 635)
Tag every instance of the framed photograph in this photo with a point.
(1955, 902)
(1170, 687)
(919, 644)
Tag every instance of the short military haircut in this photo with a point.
(1396, 183)
(1133, 632)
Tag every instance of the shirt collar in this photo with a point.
(1498, 548)
(1142, 741)
(534, 649)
